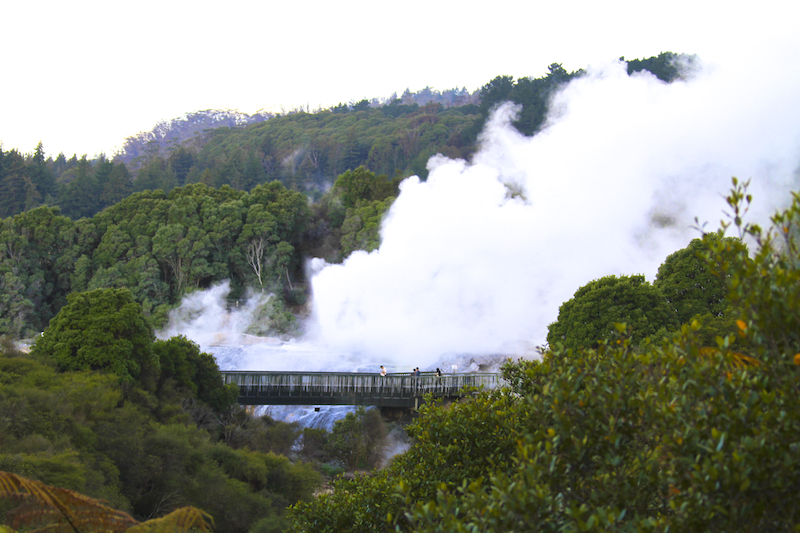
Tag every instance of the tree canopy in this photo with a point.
(103, 329)
(690, 284)
(591, 314)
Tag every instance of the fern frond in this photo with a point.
(56, 510)
(181, 520)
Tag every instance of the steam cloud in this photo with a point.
(611, 186)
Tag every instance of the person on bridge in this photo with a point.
(383, 371)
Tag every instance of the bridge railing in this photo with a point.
(349, 388)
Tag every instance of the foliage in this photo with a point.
(85, 431)
(591, 314)
(357, 439)
(184, 365)
(765, 287)
(49, 508)
(463, 441)
(35, 264)
(666, 66)
(156, 245)
(360, 185)
(102, 329)
(690, 284)
(361, 227)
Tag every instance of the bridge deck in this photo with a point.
(334, 388)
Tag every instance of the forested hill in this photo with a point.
(192, 128)
(302, 149)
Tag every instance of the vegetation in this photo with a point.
(357, 440)
(147, 443)
(655, 435)
(612, 429)
(158, 246)
(591, 314)
(102, 329)
(58, 509)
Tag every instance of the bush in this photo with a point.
(358, 440)
(103, 329)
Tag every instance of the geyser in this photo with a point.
(611, 186)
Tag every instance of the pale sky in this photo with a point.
(83, 75)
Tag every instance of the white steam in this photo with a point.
(611, 186)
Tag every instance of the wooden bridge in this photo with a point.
(341, 388)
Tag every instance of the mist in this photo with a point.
(611, 186)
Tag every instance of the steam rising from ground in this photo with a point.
(611, 186)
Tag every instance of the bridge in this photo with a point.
(349, 388)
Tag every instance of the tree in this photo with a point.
(357, 440)
(591, 314)
(355, 188)
(361, 227)
(103, 329)
(182, 363)
(13, 185)
(82, 196)
(184, 249)
(666, 66)
(689, 283)
(451, 446)
(257, 236)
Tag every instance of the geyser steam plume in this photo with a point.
(612, 185)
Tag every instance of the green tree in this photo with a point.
(358, 439)
(359, 185)
(591, 314)
(82, 196)
(255, 240)
(361, 227)
(184, 250)
(182, 364)
(104, 329)
(33, 267)
(14, 187)
(690, 284)
(451, 446)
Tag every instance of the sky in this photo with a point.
(84, 75)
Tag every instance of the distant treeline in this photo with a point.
(303, 150)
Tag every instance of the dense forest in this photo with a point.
(657, 406)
